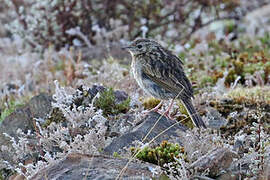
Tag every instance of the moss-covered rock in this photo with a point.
(160, 155)
(107, 102)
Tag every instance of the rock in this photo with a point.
(216, 161)
(40, 105)
(120, 96)
(95, 89)
(93, 167)
(11, 87)
(141, 130)
(229, 176)
(16, 177)
(215, 120)
(120, 124)
(22, 118)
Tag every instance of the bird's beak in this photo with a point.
(126, 47)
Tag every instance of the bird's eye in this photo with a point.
(139, 46)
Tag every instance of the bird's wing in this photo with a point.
(168, 73)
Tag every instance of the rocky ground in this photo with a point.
(220, 155)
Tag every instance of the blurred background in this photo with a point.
(223, 43)
(80, 23)
(75, 42)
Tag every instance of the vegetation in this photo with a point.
(247, 63)
(165, 153)
(108, 104)
(57, 23)
(74, 44)
(12, 105)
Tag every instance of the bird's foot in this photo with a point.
(145, 112)
(167, 115)
(155, 109)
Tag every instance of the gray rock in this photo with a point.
(139, 132)
(95, 167)
(40, 105)
(229, 176)
(116, 124)
(120, 96)
(95, 89)
(22, 118)
(215, 120)
(216, 161)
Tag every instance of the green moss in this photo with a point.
(182, 56)
(107, 103)
(160, 155)
(12, 105)
(265, 39)
(150, 102)
(243, 57)
(124, 106)
(229, 26)
(207, 80)
(221, 62)
(116, 155)
(214, 48)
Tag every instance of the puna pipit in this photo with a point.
(160, 74)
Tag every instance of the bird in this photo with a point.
(160, 74)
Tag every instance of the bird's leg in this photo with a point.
(155, 109)
(167, 112)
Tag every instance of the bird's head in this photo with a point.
(142, 46)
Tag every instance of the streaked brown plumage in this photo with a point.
(160, 73)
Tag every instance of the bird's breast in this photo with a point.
(137, 72)
(149, 86)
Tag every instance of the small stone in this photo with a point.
(120, 96)
(215, 120)
(216, 161)
(95, 89)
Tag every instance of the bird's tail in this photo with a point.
(196, 118)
